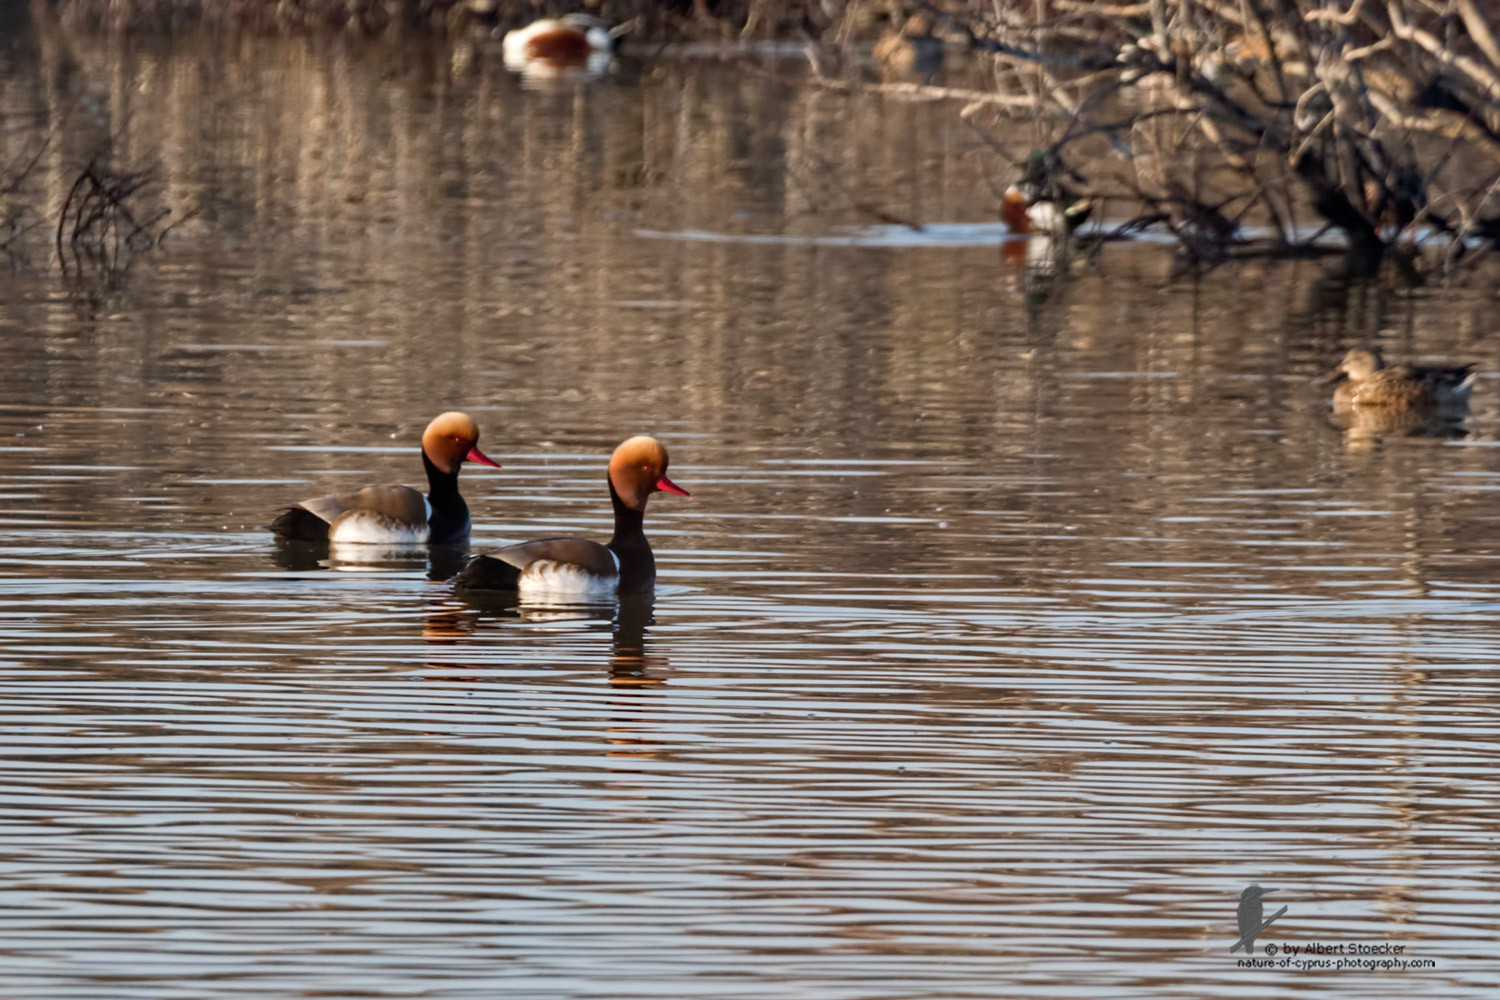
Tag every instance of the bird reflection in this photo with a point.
(448, 624)
(629, 664)
(1365, 427)
(632, 665)
(440, 562)
(633, 671)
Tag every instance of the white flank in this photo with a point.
(1045, 217)
(372, 529)
(545, 578)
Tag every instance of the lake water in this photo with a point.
(1020, 618)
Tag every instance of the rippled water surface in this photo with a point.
(1019, 619)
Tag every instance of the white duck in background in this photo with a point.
(555, 45)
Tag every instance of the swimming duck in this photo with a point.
(583, 569)
(1041, 201)
(1363, 379)
(572, 40)
(1031, 213)
(392, 514)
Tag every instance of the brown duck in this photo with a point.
(398, 515)
(913, 51)
(580, 569)
(1364, 379)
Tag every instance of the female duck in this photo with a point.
(393, 514)
(577, 567)
(1364, 379)
(912, 52)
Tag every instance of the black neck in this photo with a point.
(637, 564)
(449, 520)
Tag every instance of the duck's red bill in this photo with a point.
(667, 486)
(475, 455)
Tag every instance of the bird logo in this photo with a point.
(1250, 914)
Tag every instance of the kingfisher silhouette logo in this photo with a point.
(1251, 912)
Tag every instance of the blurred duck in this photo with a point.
(1040, 202)
(1027, 212)
(398, 515)
(572, 41)
(911, 52)
(1362, 378)
(580, 569)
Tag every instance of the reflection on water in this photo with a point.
(1021, 620)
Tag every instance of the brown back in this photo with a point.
(591, 557)
(401, 504)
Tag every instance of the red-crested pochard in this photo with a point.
(393, 514)
(577, 567)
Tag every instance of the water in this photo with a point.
(1017, 621)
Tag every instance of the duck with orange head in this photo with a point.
(580, 569)
(391, 514)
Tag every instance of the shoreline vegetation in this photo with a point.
(1375, 121)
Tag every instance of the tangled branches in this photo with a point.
(1376, 118)
(98, 234)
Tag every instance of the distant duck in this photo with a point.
(913, 51)
(1364, 379)
(1027, 212)
(398, 515)
(580, 569)
(575, 40)
(1041, 201)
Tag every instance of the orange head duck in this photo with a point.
(580, 569)
(391, 514)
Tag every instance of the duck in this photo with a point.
(1362, 378)
(578, 568)
(1029, 213)
(571, 40)
(913, 51)
(391, 514)
(1041, 202)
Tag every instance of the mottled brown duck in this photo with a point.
(1363, 378)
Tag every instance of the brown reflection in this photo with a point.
(448, 624)
(1365, 427)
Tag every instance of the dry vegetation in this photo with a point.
(651, 19)
(1379, 119)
